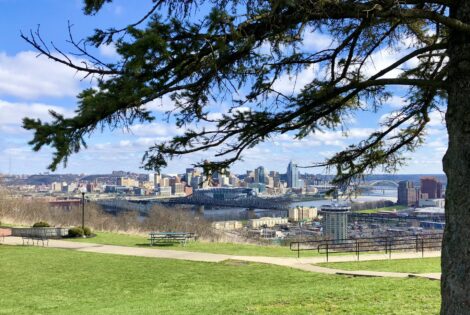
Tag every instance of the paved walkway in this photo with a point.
(306, 264)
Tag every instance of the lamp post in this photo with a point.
(301, 210)
(83, 190)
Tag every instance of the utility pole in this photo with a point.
(83, 190)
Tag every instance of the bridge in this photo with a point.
(144, 205)
(383, 182)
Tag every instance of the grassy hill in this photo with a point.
(39, 280)
(419, 265)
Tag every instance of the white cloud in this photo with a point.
(337, 137)
(325, 138)
(160, 105)
(436, 132)
(17, 152)
(12, 114)
(125, 143)
(288, 84)
(27, 76)
(214, 116)
(109, 51)
(316, 41)
(154, 129)
(379, 61)
(437, 119)
(395, 102)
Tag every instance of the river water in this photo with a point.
(224, 214)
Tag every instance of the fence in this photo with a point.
(387, 244)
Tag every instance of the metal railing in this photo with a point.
(387, 244)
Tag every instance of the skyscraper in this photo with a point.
(260, 175)
(292, 175)
(407, 194)
(432, 187)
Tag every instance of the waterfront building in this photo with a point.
(164, 191)
(266, 222)
(439, 202)
(335, 221)
(127, 182)
(432, 187)
(56, 187)
(177, 189)
(408, 195)
(227, 225)
(302, 213)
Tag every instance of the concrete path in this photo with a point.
(305, 264)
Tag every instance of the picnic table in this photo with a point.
(157, 238)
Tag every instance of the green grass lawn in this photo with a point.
(398, 208)
(36, 280)
(418, 265)
(217, 248)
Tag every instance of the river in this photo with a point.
(224, 214)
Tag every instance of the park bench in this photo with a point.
(158, 238)
(36, 235)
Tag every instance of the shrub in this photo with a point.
(41, 224)
(87, 231)
(76, 232)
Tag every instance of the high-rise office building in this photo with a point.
(408, 195)
(292, 175)
(157, 180)
(432, 187)
(177, 189)
(260, 175)
(165, 182)
(127, 182)
(196, 182)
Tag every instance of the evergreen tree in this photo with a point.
(250, 44)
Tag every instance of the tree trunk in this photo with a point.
(455, 284)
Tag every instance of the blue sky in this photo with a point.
(29, 86)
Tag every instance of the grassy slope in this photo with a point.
(52, 281)
(420, 265)
(217, 248)
(398, 208)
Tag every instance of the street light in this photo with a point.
(83, 191)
